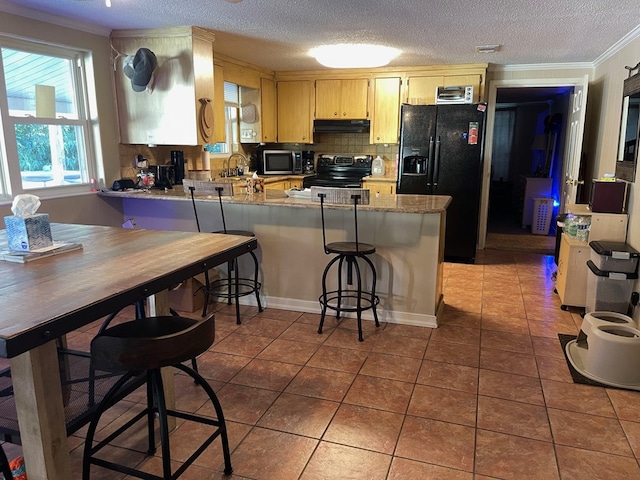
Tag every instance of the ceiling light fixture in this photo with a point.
(347, 55)
(487, 48)
(107, 3)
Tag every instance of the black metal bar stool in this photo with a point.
(140, 312)
(147, 345)
(233, 286)
(346, 298)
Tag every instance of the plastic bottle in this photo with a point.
(377, 167)
(568, 223)
(582, 228)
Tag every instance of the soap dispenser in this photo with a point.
(377, 167)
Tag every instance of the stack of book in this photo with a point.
(24, 257)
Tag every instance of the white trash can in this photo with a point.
(542, 211)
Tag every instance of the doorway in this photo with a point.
(528, 124)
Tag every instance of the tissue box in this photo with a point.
(29, 233)
(255, 185)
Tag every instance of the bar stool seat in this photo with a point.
(233, 286)
(352, 297)
(147, 345)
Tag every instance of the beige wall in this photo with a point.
(605, 126)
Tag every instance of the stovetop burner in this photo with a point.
(340, 170)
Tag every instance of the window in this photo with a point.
(231, 106)
(46, 141)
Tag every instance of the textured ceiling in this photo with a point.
(277, 34)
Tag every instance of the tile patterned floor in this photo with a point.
(487, 395)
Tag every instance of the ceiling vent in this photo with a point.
(487, 48)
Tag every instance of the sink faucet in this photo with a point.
(236, 154)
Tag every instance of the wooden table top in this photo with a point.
(46, 298)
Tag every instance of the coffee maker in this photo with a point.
(177, 162)
(308, 165)
(164, 175)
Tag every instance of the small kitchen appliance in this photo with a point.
(308, 161)
(164, 175)
(277, 162)
(340, 171)
(177, 161)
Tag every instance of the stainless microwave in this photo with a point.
(454, 95)
(279, 162)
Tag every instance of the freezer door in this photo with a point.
(417, 130)
(458, 166)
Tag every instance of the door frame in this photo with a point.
(494, 85)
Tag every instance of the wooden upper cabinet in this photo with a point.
(219, 116)
(422, 89)
(344, 99)
(269, 110)
(385, 115)
(295, 119)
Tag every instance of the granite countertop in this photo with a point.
(379, 203)
(387, 178)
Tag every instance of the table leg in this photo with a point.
(38, 396)
(159, 306)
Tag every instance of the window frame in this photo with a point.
(85, 98)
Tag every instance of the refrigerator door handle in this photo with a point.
(436, 163)
(429, 163)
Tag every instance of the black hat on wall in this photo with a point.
(139, 68)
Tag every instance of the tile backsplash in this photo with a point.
(346, 143)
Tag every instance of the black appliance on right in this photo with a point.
(441, 149)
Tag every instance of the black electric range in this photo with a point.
(340, 170)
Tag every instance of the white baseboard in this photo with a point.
(401, 318)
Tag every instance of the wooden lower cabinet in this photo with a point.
(385, 188)
(571, 280)
(279, 185)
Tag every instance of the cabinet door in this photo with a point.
(385, 115)
(353, 101)
(294, 111)
(422, 90)
(571, 280)
(342, 99)
(328, 99)
(219, 117)
(279, 185)
(269, 109)
(384, 188)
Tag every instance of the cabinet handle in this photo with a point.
(344, 114)
(335, 114)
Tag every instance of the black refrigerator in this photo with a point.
(441, 149)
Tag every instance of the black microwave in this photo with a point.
(279, 162)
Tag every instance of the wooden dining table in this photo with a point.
(45, 299)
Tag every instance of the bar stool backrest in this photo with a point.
(223, 189)
(340, 196)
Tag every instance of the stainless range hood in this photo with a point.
(341, 126)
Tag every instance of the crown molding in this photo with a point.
(14, 9)
(619, 45)
(540, 66)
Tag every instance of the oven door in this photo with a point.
(319, 181)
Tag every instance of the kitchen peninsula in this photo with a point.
(407, 230)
